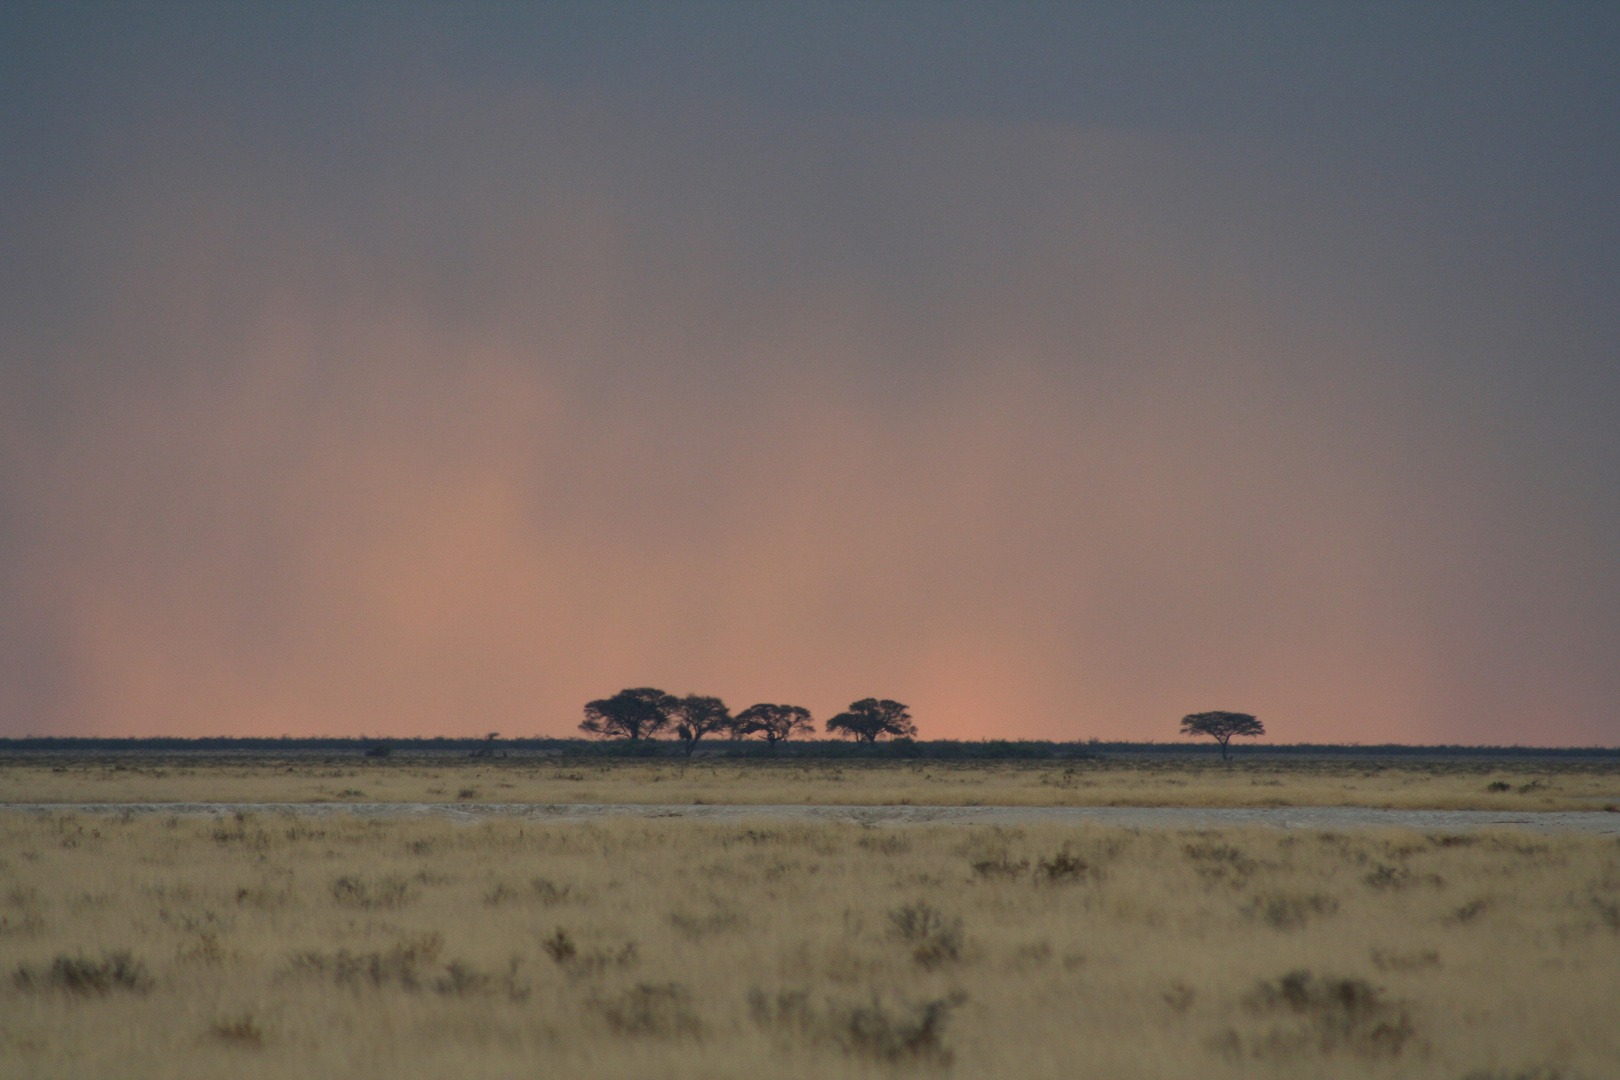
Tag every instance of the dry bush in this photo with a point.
(391, 891)
(1323, 1015)
(934, 938)
(78, 975)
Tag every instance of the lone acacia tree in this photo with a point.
(1221, 726)
(696, 716)
(870, 718)
(775, 722)
(634, 714)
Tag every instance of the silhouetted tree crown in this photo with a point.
(630, 714)
(775, 722)
(870, 718)
(696, 716)
(1221, 726)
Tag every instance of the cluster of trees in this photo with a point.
(644, 712)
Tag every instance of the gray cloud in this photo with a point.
(519, 396)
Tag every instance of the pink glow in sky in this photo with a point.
(505, 394)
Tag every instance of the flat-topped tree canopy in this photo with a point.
(639, 713)
(1221, 726)
(871, 718)
(696, 716)
(775, 722)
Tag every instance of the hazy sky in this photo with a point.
(1055, 369)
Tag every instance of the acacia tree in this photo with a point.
(634, 714)
(870, 718)
(1221, 726)
(696, 716)
(775, 722)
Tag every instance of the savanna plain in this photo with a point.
(280, 943)
(1485, 784)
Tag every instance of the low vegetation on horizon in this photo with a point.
(267, 946)
(355, 778)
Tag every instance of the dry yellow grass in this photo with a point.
(1441, 785)
(287, 946)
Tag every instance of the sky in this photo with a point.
(1056, 369)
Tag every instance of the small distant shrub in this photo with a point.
(502, 893)
(1412, 961)
(236, 831)
(1498, 785)
(934, 938)
(387, 892)
(381, 750)
(896, 1034)
(661, 1010)
(25, 925)
(408, 966)
(885, 845)
(461, 979)
(467, 793)
(1000, 868)
(539, 890)
(904, 1034)
(698, 927)
(239, 1030)
(1469, 911)
(1388, 877)
(1180, 996)
(560, 947)
(1330, 1014)
(78, 975)
(400, 966)
(1060, 868)
(1288, 912)
(566, 954)
(1219, 861)
(548, 892)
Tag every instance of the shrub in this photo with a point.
(934, 939)
(387, 892)
(903, 1033)
(1060, 868)
(659, 1010)
(1287, 912)
(239, 1030)
(78, 975)
(1330, 1014)
(1000, 868)
(908, 1033)
(399, 966)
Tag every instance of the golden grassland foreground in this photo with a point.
(1441, 785)
(284, 945)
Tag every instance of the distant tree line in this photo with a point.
(341, 748)
(645, 712)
